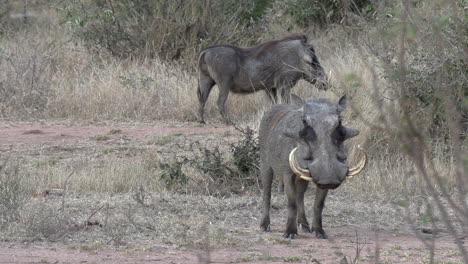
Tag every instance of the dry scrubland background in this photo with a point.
(401, 64)
(79, 61)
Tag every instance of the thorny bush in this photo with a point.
(222, 173)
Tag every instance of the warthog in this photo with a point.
(299, 143)
(271, 66)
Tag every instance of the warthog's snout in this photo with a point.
(321, 81)
(328, 175)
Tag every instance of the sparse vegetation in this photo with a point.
(292, 259)
(402, 64)
(115, 131)
(223, 175)
(162, 140)
(101, 137)
(173, 176)
(12, 192)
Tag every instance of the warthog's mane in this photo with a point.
(265, 47)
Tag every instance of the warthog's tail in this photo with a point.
(200, 57)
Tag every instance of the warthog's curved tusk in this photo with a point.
(360, 166)
(302, 173)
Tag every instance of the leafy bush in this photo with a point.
(432, 77)
(308, 13)
(167, 29)
(179, 29)
(214, 165)
(172, 175)
(246, 156)
(422, 84)
(222, 174)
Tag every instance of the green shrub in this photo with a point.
(308, 13)
(245, 153)
(168, 29)
(172, 175)
(224, 174)
(212, 164)
(432, 77)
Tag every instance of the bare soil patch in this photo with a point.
(17, 134)
(174, 227)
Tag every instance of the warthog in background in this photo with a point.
(299, 143)
(271, 66)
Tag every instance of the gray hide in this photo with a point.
(271, 66)
(315, 129)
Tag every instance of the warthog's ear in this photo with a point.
(341, 104)
(350, 132)
(296, 101)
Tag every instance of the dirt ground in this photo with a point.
(360, 231)
(393, 248)
(17, 134)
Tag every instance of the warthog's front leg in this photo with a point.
(267, 179)
(320, 195)
(291, 225)
(301, 187)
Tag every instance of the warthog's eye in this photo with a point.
(308, 133)
(339, 134)
(312, 49)
(315, 60)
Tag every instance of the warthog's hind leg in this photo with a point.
(223, 96)
(319, 203)
(267, 179)
(204, 88)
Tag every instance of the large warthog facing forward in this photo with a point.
(300, 143)
(271, 66)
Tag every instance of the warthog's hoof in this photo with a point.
(265, 228)
(290, 235)
(321, 234)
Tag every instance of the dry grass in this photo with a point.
(46, 75)
(178, 218)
